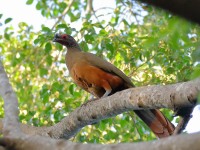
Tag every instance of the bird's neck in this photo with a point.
(72, 56)
(73, 45)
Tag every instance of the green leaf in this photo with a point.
(48, 47)
(83, 45)
(38, 6)
(71, 89)
(127, 43)
(196, 72)
(110, 47)
(59, 46)
(1, 15)
(49, 60)
(22, 25)
(44, 94)
(61, 26)
(46, 29)
(103, 32)
(196, 54)
(8, 20)
(36, 41)
(75, 17)
(57, 115)
(7, 36)
(89, 38)
(56, 86)
(43, 71)
(29, 2)
(55, 12)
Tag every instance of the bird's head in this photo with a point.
(66, 40)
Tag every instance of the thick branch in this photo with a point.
(170, 143)
(11, 123)
(159, 96)
(169, 96)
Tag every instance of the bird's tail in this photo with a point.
(157, 122)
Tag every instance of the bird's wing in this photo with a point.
(106, 66)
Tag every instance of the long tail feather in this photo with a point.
(157, 122)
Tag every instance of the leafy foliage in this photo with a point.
(149, 45)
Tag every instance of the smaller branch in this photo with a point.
(181, 125)
(184, 119)
(103, 8)
(63, 14)
(89, 7)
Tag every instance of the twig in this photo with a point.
(184, 119)
(63, 13)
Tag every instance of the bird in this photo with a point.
(101, 78)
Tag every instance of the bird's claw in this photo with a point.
(85, 103)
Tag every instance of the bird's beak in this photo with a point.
(56, 37)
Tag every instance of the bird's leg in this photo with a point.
(92, 98)
(106, 93)
(107, 88)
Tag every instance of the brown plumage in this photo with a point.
(101, 78)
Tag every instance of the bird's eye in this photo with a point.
(64, 36)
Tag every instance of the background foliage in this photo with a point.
(148, 44)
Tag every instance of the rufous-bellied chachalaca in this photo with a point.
(101, 79)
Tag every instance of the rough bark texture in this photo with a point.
(180, 142)
(158, 96)
(10, 123)
(136, 98)
(185, 8)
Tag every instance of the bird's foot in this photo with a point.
(106, 93)
(85, 103)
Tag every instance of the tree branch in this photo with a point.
(181, 125)
(173, 96)
(89, 7)
(11, 123)
(169, 96)
(169, 143)
(63, 14)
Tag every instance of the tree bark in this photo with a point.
(169, 96)
(179, 142)
(158, 96)
(11, 123)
